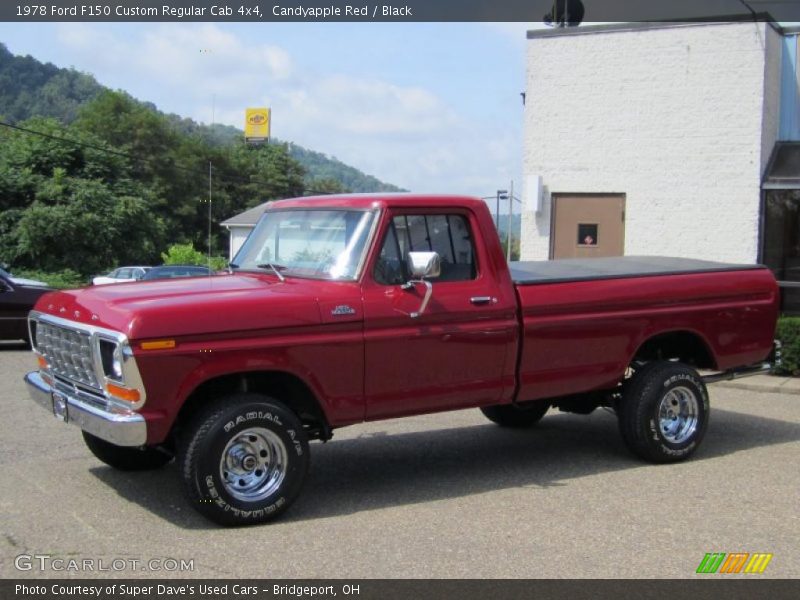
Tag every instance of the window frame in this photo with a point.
(364, 259)
(388, 221)
(596, 235)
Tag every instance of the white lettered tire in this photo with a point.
(664, 412)
(244, 459)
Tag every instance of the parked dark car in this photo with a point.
(16, 300)
(173, 271)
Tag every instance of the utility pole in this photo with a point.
(213, 118)
(510, 214)
(501, 195)
(209, 217)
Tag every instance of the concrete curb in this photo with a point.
(769, 384)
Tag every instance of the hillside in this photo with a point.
(30, 88)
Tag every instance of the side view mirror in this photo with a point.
(422, 266)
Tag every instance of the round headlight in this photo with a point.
(116, 365)
(111, 357)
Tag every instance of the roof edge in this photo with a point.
(653, 25)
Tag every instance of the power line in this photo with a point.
(133, 157)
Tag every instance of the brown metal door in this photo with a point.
(588, 225)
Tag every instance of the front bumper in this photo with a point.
(121, 429)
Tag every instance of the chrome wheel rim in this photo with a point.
(678, 415)
(253, 464)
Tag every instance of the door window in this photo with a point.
(448, 235)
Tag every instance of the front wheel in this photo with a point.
(244, 459)
(664, 412)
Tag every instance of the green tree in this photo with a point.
(327, 185)
(67, 205)
(88, 228)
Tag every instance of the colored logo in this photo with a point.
(736, 562)
(257, 119)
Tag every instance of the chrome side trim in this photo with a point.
(121, 429)
(773, 360)
(762, 369)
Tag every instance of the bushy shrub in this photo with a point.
(64, 279)
(788, 333)
(185, 254)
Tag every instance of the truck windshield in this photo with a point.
(319, 244)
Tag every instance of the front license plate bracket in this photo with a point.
(60, 407)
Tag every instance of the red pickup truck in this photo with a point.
(343, 309)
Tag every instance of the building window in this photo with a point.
(782, 243)
(587, 234)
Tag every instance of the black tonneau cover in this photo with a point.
(589, 269)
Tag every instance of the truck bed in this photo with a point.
(620, 267)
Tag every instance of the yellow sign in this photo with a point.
(256, 124)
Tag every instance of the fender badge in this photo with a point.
(343, 310)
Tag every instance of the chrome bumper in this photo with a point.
(128, 429)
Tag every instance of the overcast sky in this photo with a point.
(428, 107)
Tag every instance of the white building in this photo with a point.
(664, 139)
(240, 226)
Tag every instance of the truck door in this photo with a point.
(455, 353)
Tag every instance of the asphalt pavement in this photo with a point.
(447, 495)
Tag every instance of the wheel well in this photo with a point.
(685, 346)
(287, 388)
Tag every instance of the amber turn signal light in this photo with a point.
(123, 393)
(157, 345)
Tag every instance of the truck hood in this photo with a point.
(197, 305)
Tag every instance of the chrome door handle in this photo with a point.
(482, 300)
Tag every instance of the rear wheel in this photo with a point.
(244, 459)
(664, 412)
(124, 458)
(518, 416)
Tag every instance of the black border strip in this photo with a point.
(711, 587)
(527, 11)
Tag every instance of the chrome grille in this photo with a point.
(91, 397)
(68, 352)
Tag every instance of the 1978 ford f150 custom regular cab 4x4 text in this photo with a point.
(341, 309)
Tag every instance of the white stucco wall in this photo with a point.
(238, 236)
(772, 96)
(674, 118)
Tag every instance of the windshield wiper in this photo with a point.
(275, 269)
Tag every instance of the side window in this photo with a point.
(448, 235)
(124, 274)
(390, 270)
